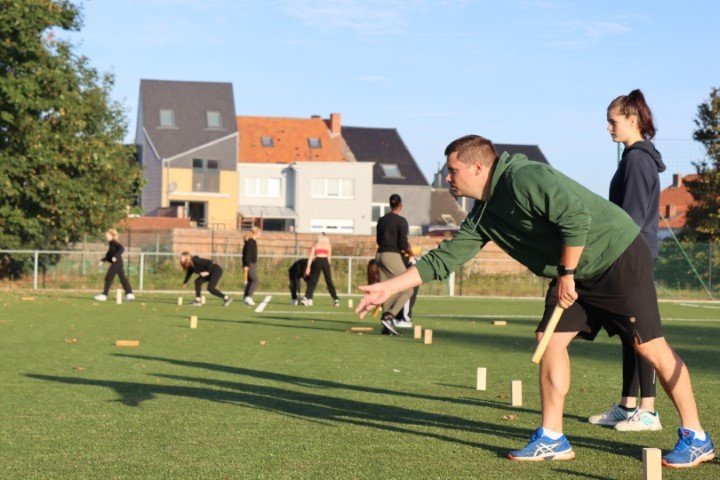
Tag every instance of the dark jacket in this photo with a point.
(115, 250)
(532, 211)
(635, 188)
(392, 233)
(297, 269)
(249, 253)
(198, 265)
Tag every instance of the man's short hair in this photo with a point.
(395, 200)
(473, 148)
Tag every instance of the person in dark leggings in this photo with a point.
(249, 259)
(296, 273)
(207, 271)
(319, 261)
(635, 188)
(114, 258)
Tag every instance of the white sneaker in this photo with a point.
(129, 297)
(294, 302)
(403, 324)
(100, 298)
(249, 301)
(306, 301)
(612, 417)
(640, 421)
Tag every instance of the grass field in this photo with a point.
(290, 393)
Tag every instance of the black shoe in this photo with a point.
(388, 322)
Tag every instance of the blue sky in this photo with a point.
(515, 71)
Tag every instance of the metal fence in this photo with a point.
(684, 270)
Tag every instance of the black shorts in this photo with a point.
(622, 300)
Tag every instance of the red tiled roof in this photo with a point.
(154, 223)
(290, 139)
(674, 202)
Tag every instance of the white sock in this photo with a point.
(551, 434)
(699, 434)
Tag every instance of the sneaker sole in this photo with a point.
(562, 456)
(646, 428)
(702, 458)
(390, 327)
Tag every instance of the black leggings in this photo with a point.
(638, 374)
(320, 264)
(212, 279)
(116, 269)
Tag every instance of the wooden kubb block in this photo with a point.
(417, 332)
(127, 343)
(428, 337)
(118, 296)
(516, 393)
(180, 300)
(481, 378)
(652, 465)
(193, 321)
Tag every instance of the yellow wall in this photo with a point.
(221, 206)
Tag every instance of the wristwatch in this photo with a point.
(563, 270)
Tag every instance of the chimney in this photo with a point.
(677, 180)
(335, 123)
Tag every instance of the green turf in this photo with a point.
(313, 401)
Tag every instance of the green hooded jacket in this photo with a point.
(531, 212)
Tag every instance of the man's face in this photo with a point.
(462, 178)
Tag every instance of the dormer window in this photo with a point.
(391, 170)
(267, 141)
(314, 142)
(167, 118)
(213, 119)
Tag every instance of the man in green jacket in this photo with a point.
(602, 276)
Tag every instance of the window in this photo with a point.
(267, 141)
(391, 170)
(332, 188)
(167, 118)
(262, 187)
(206, 175)
(314, 142)
(213, 119)
(378, 210)
(332, 225)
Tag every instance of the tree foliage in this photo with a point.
(703, 218)
(64, 171)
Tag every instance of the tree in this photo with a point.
(64, 171)
(703, 218)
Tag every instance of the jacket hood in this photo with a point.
(649, 148)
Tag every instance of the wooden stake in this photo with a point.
(481, 378)
(652, 466)
(516, 393)
(193, 321)
(127, 343)
(417, 332)
(179, 300)
(361, 329)
(428, 337)
(499, 323)
(350, 303)
(118, 296)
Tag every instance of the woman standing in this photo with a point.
(319, 261)
(635, 187)
(249, 259)
(114, 258)
(207, 271)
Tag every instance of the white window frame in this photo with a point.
(342, 195)
(253, 187)
(391, 170)
(384, 208)
(330, 225)
(219, 119)
(172, 118)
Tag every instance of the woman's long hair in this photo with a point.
(185, 260)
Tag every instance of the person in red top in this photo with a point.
(319, 261)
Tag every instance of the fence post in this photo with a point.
(349, 275)
(35, 270)
(142, 270)
(451, 284)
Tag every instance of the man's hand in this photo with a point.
(566, 294)
(375, 295)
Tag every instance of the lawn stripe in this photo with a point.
(263, 304)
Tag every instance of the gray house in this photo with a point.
(395, 171)
(187, 145)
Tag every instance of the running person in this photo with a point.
(207, 271)
(319, 261)
(602, 274)
(635, 188)
(249, 259)
(114, 258)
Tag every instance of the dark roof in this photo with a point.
(533, 152)
(190, 102)
(383, 146)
